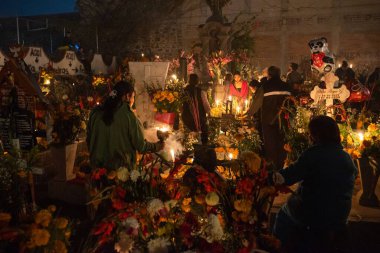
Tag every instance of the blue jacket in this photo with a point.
(323, 199)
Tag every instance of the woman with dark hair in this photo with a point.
(239, 88)
(322, 202)
(114, 133)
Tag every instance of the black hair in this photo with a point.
(228, 77)
(324, 130)
(115, 100)
(274, 72)
(193, 79)
(344, 64)
(294, 66)
(237, 73)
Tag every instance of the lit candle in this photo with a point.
(339, 65)
(174, 77)
(97, 103)
(238, 109)
(351, 65)
(172, 154)
(361, 137)
(229, 98)
(217, 102)
(246, 104)
(142, 54)
(230, 156)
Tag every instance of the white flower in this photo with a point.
(154, 206)
(135, 174)
(158, 245)
(65, 97)
(122, 174)
(125, 243)
(213, 231)
(170, 204)
(131, 222)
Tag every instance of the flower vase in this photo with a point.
(64, 159)
(167, 118)
(369, 174)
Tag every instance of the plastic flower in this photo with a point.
(125, 243)
(214, 230)
(170, 204)
(43, 218)
(61, 223)
(59, 247)
(158, 245)
(122, 174)
(131, 222)
(212, 199)
(40, 237)
(135, 174)
(154, 206)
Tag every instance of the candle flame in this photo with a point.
(229, 98)
(351, 65)
(217, 102)
(361, 136)
(230, 156)
(172, 154)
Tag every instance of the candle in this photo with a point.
(174, 77)
(361, 137)
(172, 154)
(230, 156)
(142, 54)
(339, 65)
(163, 129)
(229, 98)
(238, 109)
(217, 102)
(351, 65)
(246, 104)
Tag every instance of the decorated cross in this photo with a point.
(330, 93)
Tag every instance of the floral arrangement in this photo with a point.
(217, 65)
(45, 234)
(169, 98)
(155, 208)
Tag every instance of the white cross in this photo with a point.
(330, 93)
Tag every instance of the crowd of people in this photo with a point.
(325, 172)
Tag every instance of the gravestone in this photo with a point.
(330, 93)
(146, 73)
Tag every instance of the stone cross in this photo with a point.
(330, 93)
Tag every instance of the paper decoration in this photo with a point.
(36, 59)
(69, 65)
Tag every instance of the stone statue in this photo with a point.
(216, 7)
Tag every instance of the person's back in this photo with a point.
(275, 91)
(326, 190)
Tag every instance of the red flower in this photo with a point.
(97, 174)
(120, 192)
(124, 215)
(104, 228)
(245, 186)
(118, 204)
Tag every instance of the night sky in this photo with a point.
(13, 8)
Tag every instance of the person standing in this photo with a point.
(269, 101)
(318, 210)
(195, 110)
(294, 78)
(114, 133)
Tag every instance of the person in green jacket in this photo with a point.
(114, 133)
(321, 205)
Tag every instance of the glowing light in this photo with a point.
(142, 54)
(238, 109)
(163, 129)
(229, 98)
(339, 65)
(351, 65)
(174, 77)
(97, 103)
(47, 81)
(230, 156)
(361, 136)
(246, 103)
(172, 155)
(217, 102)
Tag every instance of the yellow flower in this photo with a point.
(76, 112)
(155, 109)
(59, 247)
(175, 94)
(350, 140)
(122, 174)
(43, 217)
(83, 125)
(111, 175)
(186, 201)
(212, 199)
(61, 223)
(52, 208)
(164, 111)
(40, 237)
(372, 127)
